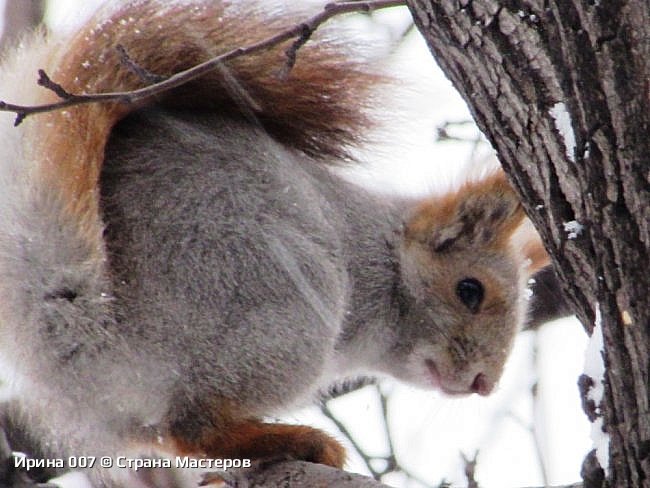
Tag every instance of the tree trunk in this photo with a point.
(562, 90)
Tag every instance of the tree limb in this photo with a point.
(301, 31)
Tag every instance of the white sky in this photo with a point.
(431, 431)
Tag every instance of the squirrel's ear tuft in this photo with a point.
(481, 214)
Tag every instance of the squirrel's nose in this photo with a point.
(481, 385)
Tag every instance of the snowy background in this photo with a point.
(521, 439)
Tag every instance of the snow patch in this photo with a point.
(595, 369)
(563, 125)
(594, 364)
(573, 229)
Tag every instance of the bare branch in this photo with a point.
(348, 435)
(442, 132)
(46, 82)
(470, 470)
(308, 28)
(302, 31)
(392, 458)
(392, 464)
(298, 474)
(537, 407)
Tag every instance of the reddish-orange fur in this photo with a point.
(315, 109)
(438, 211)
(253, 439)
(441, 211)
(234, 434)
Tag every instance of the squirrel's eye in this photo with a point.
(471, 293)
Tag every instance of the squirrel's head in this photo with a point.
(464, 267)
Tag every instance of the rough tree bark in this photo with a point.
(528, 69)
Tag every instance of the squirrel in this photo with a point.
(177, 270)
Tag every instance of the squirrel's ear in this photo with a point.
(481, 214)
(527, 239)
(537, 256)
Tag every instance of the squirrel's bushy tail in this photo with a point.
(319, 107)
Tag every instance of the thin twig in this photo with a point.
(392, 458)
(348, 435)
(46, 82)
(406, 32)
(136, 69)
(302, 31)
(535, 428)
(532, 428)
(393, 464)
(442, 131)
(308, 28)
(470, 470)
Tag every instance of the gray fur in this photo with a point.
(248, 249)
(237, 270)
